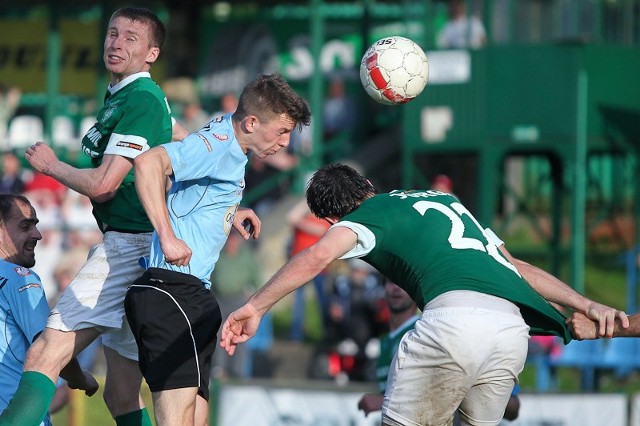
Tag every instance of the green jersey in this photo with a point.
(134, 118)
(388, 347)
(428, 243)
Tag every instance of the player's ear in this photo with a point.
(250, 123)
(153, 54)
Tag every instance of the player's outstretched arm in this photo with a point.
(556, 291)
(299, 270)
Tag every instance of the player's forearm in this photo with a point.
(551, 288)
(150, 170)
(632, 331)
(300, 269)
(85, 181)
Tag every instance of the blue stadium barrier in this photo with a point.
(584, 355)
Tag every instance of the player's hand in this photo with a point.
(240, 326)
(247, 223)
(370, 402)
(581, 327)
(88, 384)
(606, 317)
(176, 252)
(41, 157)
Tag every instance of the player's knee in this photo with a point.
(121, 402)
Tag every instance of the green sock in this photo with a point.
(134, 418)
(30, 403)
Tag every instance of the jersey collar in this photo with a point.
(123, 83)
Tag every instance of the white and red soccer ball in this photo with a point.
(394, 70)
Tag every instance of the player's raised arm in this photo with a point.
(242, 324)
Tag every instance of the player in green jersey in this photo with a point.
(479, 303)
(135, 117)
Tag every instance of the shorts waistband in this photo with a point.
(168, 276)
(473, 299)
(123, 231)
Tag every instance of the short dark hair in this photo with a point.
(7, 201)
(146, 16)
(336, 190)
(270, 95)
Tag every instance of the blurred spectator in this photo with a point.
(442, 183)
(544, 345)
(194, 117)
(262, 176)
(40, 182)
(236, 276)
(48, 251)
(80, 225)
(9, 101)
(339, 110)
(46, 194)
(357, 313)
(307, 230)
(12, 181)
(461, 30)
(403, 316)
(228, 103)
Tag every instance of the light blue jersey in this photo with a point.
(23, 314)
(207, 184)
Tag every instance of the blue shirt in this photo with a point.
(207, 184)
(23, 315)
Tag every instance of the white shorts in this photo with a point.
(95, 297)
(466, 357)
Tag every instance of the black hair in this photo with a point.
(336, 190)
(7, 201)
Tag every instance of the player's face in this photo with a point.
(397, 298)
(19, 235)
(271, 136)
(127, 49)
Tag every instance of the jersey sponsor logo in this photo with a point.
(220, 137)
(206, 142)
(28, 286)
(22, 271)
(131, 145)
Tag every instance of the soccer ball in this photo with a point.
(394, 70)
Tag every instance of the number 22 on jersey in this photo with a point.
(456, 236)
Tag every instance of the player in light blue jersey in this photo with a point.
(173, 315)
(23, 305)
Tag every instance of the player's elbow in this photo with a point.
(320, 256)
(104, 191)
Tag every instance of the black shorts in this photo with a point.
(175, 321)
